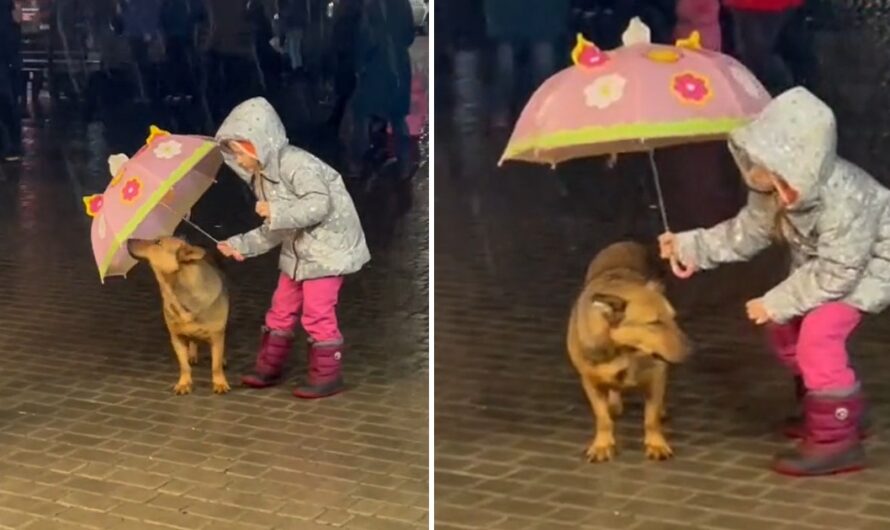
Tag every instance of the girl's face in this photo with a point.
(764, 180)
(243, 158)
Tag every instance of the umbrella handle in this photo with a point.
(680, 270)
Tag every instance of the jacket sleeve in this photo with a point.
(309, 205)
(256, 242)
(847, 235)
(737, 239)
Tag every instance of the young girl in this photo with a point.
(835, 219)
(309, 213)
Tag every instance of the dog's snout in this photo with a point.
(133, 247)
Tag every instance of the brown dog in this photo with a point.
(623, 334)
(196, 304)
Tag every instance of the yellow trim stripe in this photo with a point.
(623, 132)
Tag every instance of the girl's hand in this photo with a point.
(667, 248)
(667, 245)
(757, 312)
(262, 209)
(226, 250)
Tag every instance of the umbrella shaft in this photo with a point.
(193, 225)
(201, 230)
(658, 193)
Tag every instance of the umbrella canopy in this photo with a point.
(635, 98)
(149, 195)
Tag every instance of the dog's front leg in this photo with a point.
(657, 447)
(602, 448)
(193, 353)
(217, 355)
(181, 347)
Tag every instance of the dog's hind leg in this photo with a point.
(616, 405)
(193, 353)
(657, 447)
(181, 347)
(602, 448)
(218, 356)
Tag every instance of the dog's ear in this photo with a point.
(188, 253)
(611, 306)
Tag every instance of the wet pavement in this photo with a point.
(511, 417)
(92, 435)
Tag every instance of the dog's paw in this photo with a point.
(221, 387)
(657, 447)
(193, 360)
(601, 449)
(183, 387)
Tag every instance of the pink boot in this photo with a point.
(324, 378)
(831, 444)
(793, 427)
(275, 347)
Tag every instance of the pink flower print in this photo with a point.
(93, 204)
(587, 55)
(692, 88)
(131, 190)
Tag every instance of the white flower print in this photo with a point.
(167, 150)
(745, 80)
(604, 91)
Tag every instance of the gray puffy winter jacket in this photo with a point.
(838, 230)
(311, 216)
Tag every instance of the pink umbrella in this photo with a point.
(149, 195)
(638, 97)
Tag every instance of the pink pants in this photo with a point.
(815, 346)
(317, 298)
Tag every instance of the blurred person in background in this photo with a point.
(179, 20)
(771, 39)
(232, 67)
(347, 17)
(516, 25)
(139, 20)
(294, 20)
(383, 87)
(10, 72)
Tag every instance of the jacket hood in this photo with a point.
(256, 121)
(795, 137)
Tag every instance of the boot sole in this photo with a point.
(301, 395)
(257, 385)
(800, 474)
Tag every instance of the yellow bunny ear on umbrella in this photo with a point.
(692, 42)
(155, 132)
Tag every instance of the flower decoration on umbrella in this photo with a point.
(131, 190)
(587, 55)
(168, 149)
(93, 204)
(605, 91)
(691, 87)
